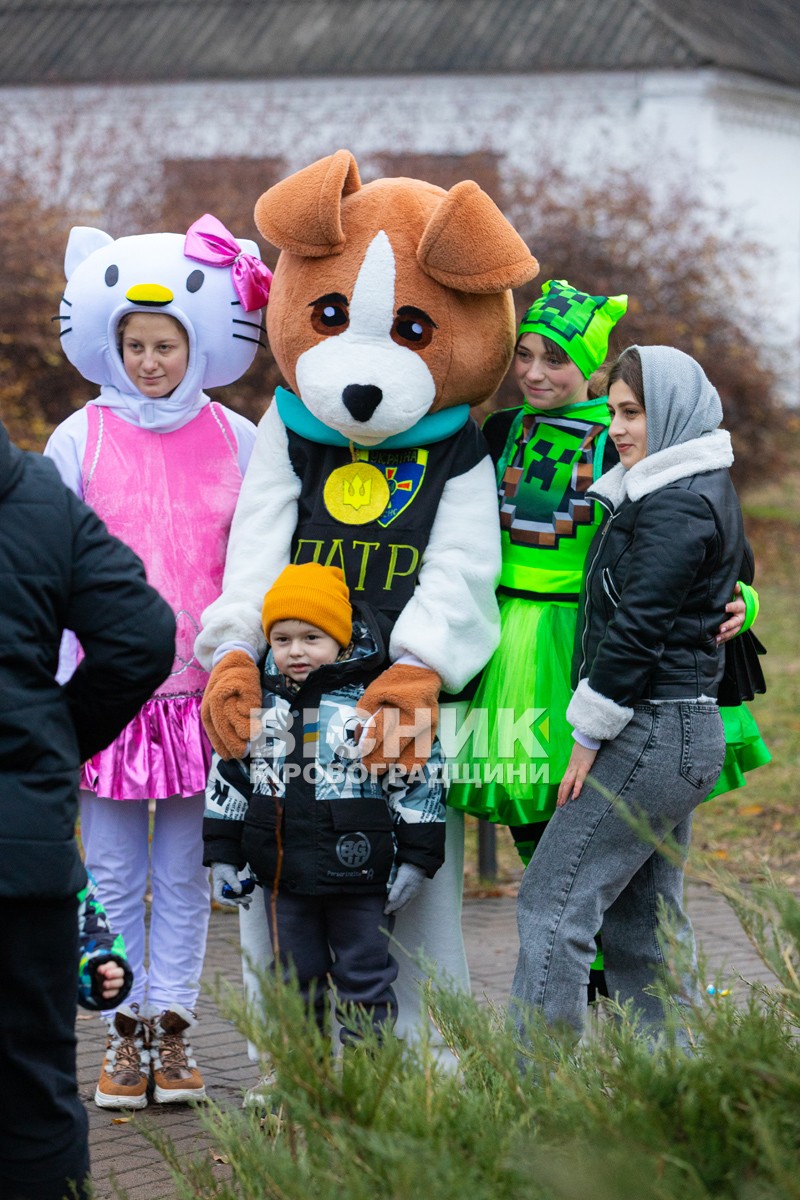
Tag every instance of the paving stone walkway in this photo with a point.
(120, 1154)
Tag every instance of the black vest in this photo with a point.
(371, 512)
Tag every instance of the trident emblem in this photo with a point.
(356, 493)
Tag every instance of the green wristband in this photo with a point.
(751, 605)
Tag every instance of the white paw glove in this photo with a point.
(407, 883)
(224, 873)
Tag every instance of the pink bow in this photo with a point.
(209, 242)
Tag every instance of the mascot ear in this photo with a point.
(469, 246)
(83, 240)
(303, 214)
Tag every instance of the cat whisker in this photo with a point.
(258, 341)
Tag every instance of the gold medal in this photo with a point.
(356, 494)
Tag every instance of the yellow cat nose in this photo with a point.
(149, 293)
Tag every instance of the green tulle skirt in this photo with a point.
(514, 773)
(744, 750)
(509, 769)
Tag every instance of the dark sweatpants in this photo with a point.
(339, 936)
(43, 1125)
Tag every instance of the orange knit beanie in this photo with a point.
(313, 593)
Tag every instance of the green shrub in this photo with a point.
(613, 1119)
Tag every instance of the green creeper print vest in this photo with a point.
(549, 462)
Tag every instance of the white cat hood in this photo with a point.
(151, 273)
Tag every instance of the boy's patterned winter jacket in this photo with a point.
(303, 808)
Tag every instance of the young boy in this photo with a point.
(321, 835)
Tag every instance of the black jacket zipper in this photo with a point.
(587, 582)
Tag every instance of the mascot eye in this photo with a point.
(195, 281)
(112, 275)
(330, 314)
(412, 327)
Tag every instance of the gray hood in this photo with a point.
(683, 435)
(680, 401)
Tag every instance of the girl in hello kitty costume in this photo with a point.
(154, 319)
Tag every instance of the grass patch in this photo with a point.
(759, 824)
(539, 1119)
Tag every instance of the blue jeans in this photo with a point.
(591, 869)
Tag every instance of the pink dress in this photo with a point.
(170, 497)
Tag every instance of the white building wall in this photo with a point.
(738, 136)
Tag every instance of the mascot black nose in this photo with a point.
(361, 400)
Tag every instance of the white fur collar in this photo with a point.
(710, 452)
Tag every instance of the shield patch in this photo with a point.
(404, 472)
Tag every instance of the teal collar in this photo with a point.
(434, 427)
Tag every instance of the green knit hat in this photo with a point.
(580, 324)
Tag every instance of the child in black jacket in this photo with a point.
(323, 836)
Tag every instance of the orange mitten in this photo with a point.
(403, 704)
(233, 688)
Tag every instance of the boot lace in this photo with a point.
(128, 1055)
(128, 1052)
(174, 1052)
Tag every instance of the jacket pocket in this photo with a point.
(264, 810)
(609, 588)
(703, 746)
(363, 844)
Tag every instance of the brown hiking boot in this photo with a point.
(175, 1072)
(126, 1065)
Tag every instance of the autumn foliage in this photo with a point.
(680, 261)
(38, 387)
(685, 269)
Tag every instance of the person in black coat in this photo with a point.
(59, 569)
(648, 734)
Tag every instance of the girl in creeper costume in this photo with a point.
(154, 319)
(548, 453)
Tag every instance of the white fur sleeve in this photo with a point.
(595, 714)
(259, 545)
(452, 623)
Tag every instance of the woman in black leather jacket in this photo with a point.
(660, 571)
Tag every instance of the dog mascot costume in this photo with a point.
(390, 314)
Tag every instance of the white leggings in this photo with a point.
(116, 838)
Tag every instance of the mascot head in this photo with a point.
(392, 300)
(212, 285)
